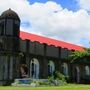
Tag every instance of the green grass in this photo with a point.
(67, 87)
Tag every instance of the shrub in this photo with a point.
(57, 79)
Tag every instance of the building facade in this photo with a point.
(24, 55)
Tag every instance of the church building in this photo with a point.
(26, 55)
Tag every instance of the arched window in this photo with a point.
(77, 74)
(65, 69)
(87, 71)
(77, 68)
(51, 67)
(34, 68)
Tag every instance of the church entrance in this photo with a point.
(34, 69)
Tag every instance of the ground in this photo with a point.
(66, 87)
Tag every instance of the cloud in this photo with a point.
(51, 20)
(85, 4)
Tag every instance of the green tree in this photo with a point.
(77, 55)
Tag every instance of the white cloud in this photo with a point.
(50, 19)
(85, 4)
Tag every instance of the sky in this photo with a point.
(65, 20)
(69, 4)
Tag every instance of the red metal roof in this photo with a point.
(49, 41)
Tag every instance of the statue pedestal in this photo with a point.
(22, 82)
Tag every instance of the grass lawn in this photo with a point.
(67, 87)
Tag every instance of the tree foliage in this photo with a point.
(77, 55)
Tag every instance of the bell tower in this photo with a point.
(10, 30)
(9, 23)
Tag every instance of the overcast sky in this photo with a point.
(66, 20)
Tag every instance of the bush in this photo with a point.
(59, 76)
(57, 79)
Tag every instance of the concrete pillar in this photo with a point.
(44, 68)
